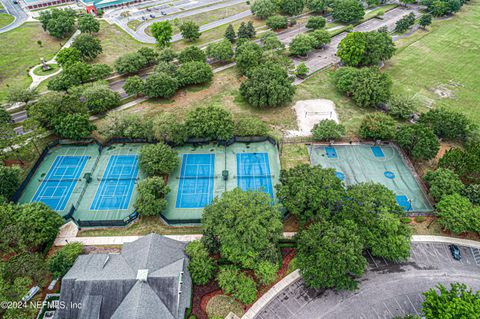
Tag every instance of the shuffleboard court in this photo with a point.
(253, 172)
(57, 186)
(117, 183)
(196, 185)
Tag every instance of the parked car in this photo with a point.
(455, 252)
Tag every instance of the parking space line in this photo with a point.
(378, 316)
(376, 266)
(388, 309)
(412, 305)
(400, 307)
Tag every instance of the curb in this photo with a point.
(444, 239)
(271, 293)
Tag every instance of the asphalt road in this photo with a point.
(386, 290)
(17, 12)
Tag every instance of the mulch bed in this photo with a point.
(203, 294)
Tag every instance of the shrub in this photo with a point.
(464, 162)
(420, 219)
(250, 126)
(190, 31)
(158, 159)
(327, 130)
(377, 126)
(405, 220)
(167, 55)
(130, 63)
(192, 53)
(151, 196)
(401, 106)
(405, 23)
(194, 73)
(442, 182)
(166, 128)
(202, 266)
(63, 260)
(212, 122)
(9, 180)
(134, 85)
(277, 22)
(241, 287)
(266, 272)
(472, 192)
(160, 85)
(315, 23)
(74, 126)
(457, 214)
(301, 70)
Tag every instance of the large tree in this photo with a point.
(130, 63)
(162, 32)
(248, 55)
(74, 126)
(374, 209)
(58, 23)
(194, 72)
(160, 85)
(310, 193)
(365, 48)
(88, 46)
(151, 196)
(244, 226)
(418, 141)
(378, 126)
(97, 97)
(327, 130)
(458, 215)
(166, 128)
(212, 122)
(158, 159)
(264, 8)
(291, 7)
(68, 56)
(9, 180)
(464, 162)
(220, 51)
(330, 255)
(458, 302)
(301, 45)
(267, 85)
(317, 6)
(190, 31)
(448, 124)
(347, 11)
(88, 24)
(443, 182)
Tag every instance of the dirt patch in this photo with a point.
(310, 112)
(423, 167)
(431, 226)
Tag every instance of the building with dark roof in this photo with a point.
(148, 279)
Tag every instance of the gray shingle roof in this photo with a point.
(108, 288)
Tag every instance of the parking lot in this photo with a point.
(386, 290)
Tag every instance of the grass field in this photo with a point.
(5, 19)
(440, 66)
(116, 42)
(19, 51)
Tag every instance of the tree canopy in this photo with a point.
(162, 32)
(61, 262)
(245, 227)
(202, 266)
(365, 48)
(158, 159)
(264, 8)
(74, 126)
(457, 214)
(347, 11)
(58, 23)
(151, 196)
(327, 130)
(378, 126)
(88, 24)
(443, 182)
(457, 302)
(190, 31)
(212, 122)
(89, 46)
(448, 124)
(418, 141)
(160, 84)
(9, 180)
(330, 255)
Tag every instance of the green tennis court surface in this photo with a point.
(100, 186)
(380, 164)
(209, 170)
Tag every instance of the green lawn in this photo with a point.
(440, 66)
(19, 51)
(5, 19)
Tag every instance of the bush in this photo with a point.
(250, 126)
(9, 180)
(327, 130)
(212, 122)
(420, 219)
(194, 73)
(168, 68)
(63, 260)
(301, 71)
(134, 85)
(277, 22)
(167, 55)
(464, 162)
(378, 126)
(442, 182)
(405, 220)
(74, 126)
(458, 215)
(472, 192)
(315, 23)
(151, 196)
(192, 53)
(160, 85)
(202, 266)
(158, 159)
(241, 287)
(405, 23)
(401, 106)
(266, 272)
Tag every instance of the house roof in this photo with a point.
(148, 279)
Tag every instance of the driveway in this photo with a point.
(17, 12)
(386, 290)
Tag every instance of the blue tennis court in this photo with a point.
(60, 181)
(253, 172)
(196, 181)
(117, 183)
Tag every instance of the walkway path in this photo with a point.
(17, 12)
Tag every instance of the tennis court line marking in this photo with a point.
(263, 163)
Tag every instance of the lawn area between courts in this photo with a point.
(5, 19)
(19, 51)
(440, 66)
